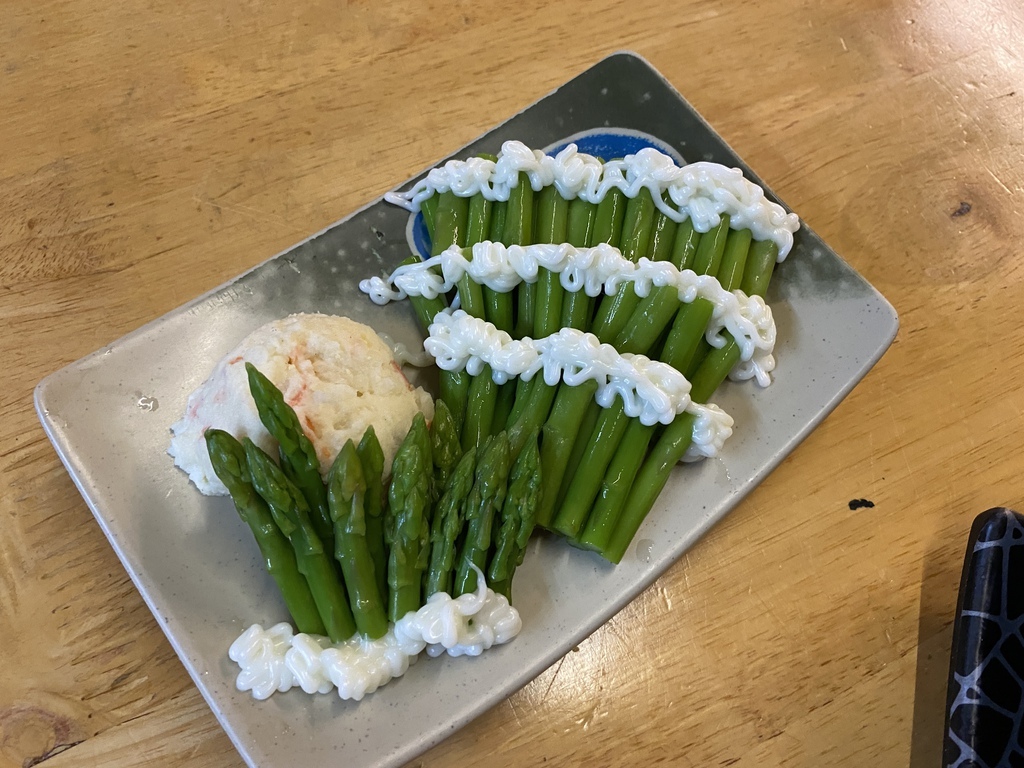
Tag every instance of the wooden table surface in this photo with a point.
(153, 150)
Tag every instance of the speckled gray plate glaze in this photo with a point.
(196, 566)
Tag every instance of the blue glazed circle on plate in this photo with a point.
(609, 143)
(605, 143)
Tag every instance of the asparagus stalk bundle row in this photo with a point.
(388, 548)
(577, 433)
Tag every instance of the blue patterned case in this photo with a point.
(986, 675)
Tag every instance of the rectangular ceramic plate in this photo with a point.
(194, 561)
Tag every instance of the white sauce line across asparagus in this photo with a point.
(701, 191)
(594, 270)
(277, 659)
(651, 391)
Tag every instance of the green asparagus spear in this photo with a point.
(657, 309)
(444, 445)
(447, 524)
(499, 212)
(291, 513)
(482, 389)
(609, 217)
(585, 484)
(689, 324)
(552, 221)
(454, 391)
(499, 305)
(509, 397)
(667, 452)
(298, 456)
(480, 407)
(615, 487)
(587, 427)
(672, 444)
(684, 249)
(477, 409)
(408, 525)
(429, 209)
(533, 415)
(346, 492)
(607, 228)
(586, 222)
(663, 238)
(516, 228)
(478, 229)
(560, 434)
(761, 263)
(229, 463)
(371, 457)
(454, 386)
(451, 220)
(577, 306)
(606, 466)
(730, 276)
(484, 502)
(521, 400)
(622, 471)
(708, 258)
(471, 294)
(632, 222)
(580, 222)
(574, 405)
(638, 225)
(451, 227)
(518, 516)
(537, 396)
(614, 311)
(519, 231)
(734, 258)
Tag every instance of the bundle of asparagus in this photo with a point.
(602, 471)
(353, 553)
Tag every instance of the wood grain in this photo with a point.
(154, 150)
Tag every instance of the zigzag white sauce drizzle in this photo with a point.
(650, 390)
(701, 191)
(277, 659)
(594, 270)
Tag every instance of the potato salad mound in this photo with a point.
(337, 375)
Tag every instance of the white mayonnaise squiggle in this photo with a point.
(416, 358)
(650, 390)
(276, 659)
(594, 270)
(464, 626)
(711, 429)
(702, 192)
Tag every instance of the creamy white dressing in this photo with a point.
(651, 391)
(702, 192)
(416, 358)
(463, 626)
(601, 269)
(278, 659)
